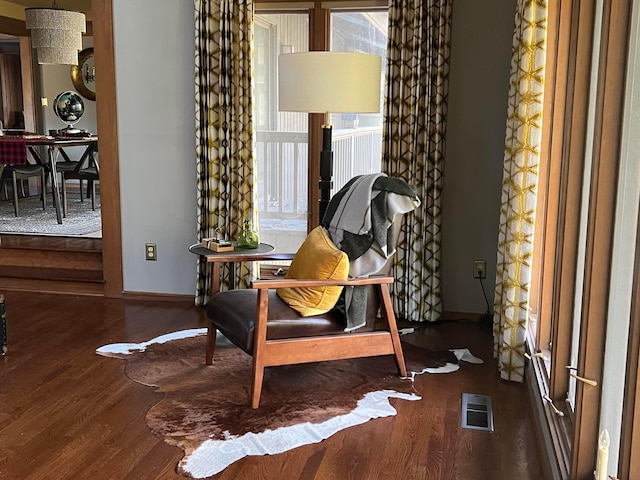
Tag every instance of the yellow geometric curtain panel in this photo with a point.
(225, 139)
(519, 188)
(418, 53)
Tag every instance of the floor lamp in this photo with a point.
(328, 82)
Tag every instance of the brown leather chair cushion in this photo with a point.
(233, 312)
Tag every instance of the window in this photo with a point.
(288, 149)
(585, 236)
(357, 138)
(282, 141)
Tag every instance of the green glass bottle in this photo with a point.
(248, 238)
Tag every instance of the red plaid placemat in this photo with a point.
(13, 151)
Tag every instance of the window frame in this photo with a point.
(567, 97)
(629, 461)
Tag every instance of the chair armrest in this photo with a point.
(294, 282)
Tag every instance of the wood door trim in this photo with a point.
(107, 120)
(28, 96)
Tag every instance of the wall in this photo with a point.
(155, 78)
(481, 41)
(154, 60)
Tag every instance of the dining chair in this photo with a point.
(16, 174)
(87, 168)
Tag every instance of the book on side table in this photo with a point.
(217, 245)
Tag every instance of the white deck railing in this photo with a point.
(283, 172)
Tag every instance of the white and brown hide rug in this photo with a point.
(205, 409)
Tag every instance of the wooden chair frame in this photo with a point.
(269, 353)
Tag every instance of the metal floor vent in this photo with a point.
(477, 412)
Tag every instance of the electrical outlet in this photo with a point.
(479, 269)
(150, 251)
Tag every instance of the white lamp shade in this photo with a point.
(321, 82)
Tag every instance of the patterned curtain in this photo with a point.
(225, 142)
(519, 188)
(413, 144)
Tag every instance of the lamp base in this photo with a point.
(326, 171)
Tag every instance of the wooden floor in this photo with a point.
(67, 413)
(51, 264)
(39, 242)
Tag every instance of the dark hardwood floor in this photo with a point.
(67, 413)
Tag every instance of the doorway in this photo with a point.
(105, 254)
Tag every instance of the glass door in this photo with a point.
(282, 153)
(357, 138)
(282, 140)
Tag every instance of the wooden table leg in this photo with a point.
(54, 183)
(215, 278)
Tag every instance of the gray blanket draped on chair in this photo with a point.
(359, 219)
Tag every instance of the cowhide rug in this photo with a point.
(205, 409)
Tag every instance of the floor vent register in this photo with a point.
(477, 412)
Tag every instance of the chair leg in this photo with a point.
(46, 180)
(259, 344)
(43, 184)
(15, 195)
(387, 309)
(93, 194)
(211, 343)
(256, 383)
(5, 195)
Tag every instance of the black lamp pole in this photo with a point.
(326, 171)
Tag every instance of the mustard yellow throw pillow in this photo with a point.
(317, 258)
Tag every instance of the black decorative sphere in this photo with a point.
(68, 107)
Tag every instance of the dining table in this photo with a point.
(13, 151)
